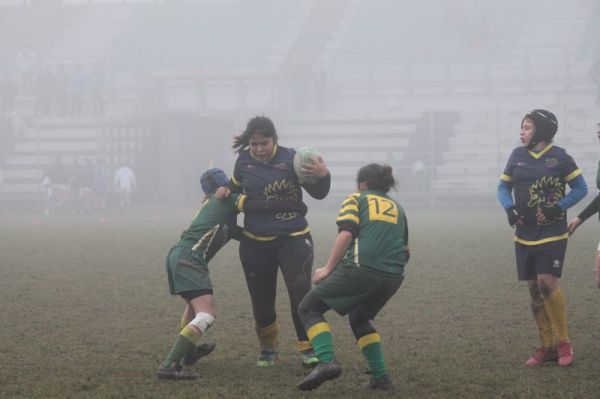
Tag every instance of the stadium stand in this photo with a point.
(416, 85)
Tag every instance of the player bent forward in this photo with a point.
(187, 267)
(365, 268)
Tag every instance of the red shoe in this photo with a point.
(565, 353)
(542, 355)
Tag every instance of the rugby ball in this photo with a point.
(305, 155)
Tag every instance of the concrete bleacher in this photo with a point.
(477, 154)
(350, 143)
(26, 156)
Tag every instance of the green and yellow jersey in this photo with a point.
(210, 228)
(381, 243)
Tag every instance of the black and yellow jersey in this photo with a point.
(539, 179)
(271, 180)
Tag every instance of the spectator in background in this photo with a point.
(56, 182)
(419, 175)
(100, 186)
(8, 94)
(125, 185)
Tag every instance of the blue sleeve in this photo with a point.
(504, 194)
(578, 191)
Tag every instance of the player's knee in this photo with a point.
(203, 321)
(545, 289)
(360, 324)
(308, 309)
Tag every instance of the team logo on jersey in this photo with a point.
(281, 165)
(283, 190)
(250, 166)
(551, 163)
(546, 191)
(556, 264)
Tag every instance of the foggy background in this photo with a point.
(437, 89)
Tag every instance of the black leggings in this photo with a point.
(261, 260)
(312, 308)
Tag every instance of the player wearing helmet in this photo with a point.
(537, 173)
(187, 266)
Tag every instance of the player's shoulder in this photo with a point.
(284, 153)
(556, 150)
(519, 151)
(354, 197)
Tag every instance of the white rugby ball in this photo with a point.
(305, 155)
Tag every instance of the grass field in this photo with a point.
(86, 313)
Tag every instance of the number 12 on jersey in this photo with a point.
(382, 209)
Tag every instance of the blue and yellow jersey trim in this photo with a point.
(506, 178)
(542, 241)
(537, 155)
(573, 175)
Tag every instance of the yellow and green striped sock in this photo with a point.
(186, 342)
(370, 346)
(321, 340)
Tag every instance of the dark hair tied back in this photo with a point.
(378, 177)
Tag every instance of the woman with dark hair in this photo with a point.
(364, 270)
(264, 170)
(187, 267)
(538, 172)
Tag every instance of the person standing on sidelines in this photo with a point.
(125, 185)
(187, 267)
(364, 270)
(538, 173)
(590, 210)
(264, 170)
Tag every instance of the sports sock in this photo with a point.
(543, 323)
(555, 307)
(321, 340)
(303, 346)
(268, 336)
(186, 342)
(370, 346)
